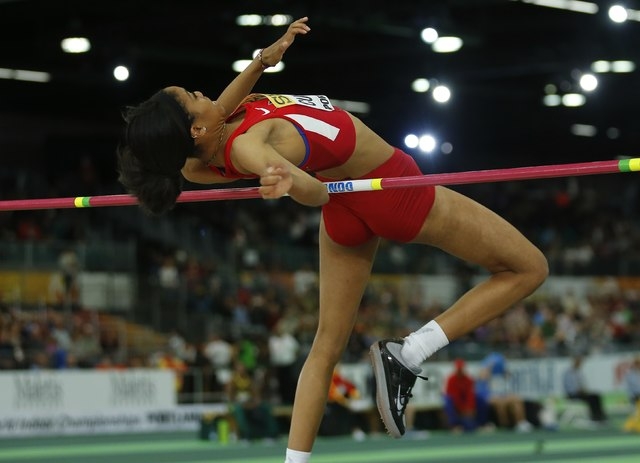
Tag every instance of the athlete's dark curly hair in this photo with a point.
(156, 143)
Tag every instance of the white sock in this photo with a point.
(296, 456)
(422, 344)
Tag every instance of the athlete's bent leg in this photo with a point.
(470, 231)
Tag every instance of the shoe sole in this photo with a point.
(382, 392)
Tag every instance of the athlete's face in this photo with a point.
(195, 103)
(202, 111)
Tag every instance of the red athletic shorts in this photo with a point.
(397, 214)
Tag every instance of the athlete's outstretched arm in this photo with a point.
(241, 86)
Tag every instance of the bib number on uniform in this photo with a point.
(311, 101)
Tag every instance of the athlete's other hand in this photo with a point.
(272, 54)
(275, 182)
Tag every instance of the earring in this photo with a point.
(203, 130)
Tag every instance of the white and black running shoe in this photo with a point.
(394, 382)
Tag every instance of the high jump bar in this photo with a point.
(348, 186)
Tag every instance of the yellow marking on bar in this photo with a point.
(634, 164)
(376, 183)
(82, 201)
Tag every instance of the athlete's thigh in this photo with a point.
(469, 230)
(344, 274)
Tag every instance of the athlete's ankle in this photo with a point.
(422, 344)
(296, 456)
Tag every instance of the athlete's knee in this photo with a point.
(537, 269)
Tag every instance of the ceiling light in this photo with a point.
(75, 45)
(359, 107)
(634, 15)
(446, 148)
(420, 85)
(249, 20)
(623, 66)
(241, 64)
(278, 20)
(427, 143)
(32, 76)
(588, 82)
(447, 44)
(22, 74)
(552, 100)
(121, 73)
(569, 5)
(618, 14)
(584, 130)
(6, 73)
(573, 100)
(613, 133)
(411, 141)
(268, 20)
(601, 66)
(429, 35)
(441, 94)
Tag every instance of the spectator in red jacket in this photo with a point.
(460, 399)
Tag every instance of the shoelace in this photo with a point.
(404, 396)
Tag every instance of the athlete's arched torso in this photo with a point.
(333, 144)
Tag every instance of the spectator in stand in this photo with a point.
(168, 360)
(178, 344)
(252, 413)
(536, 346)
(64, 288)
(247, 351)
(283, 356)
(460, 399)
(9, 351)
(305, 279)
(219, 351)
(86, 346)
(492, 392)
(632, 380)
(575, 388)
(59, 331)
(339, 418)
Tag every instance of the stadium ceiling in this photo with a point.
(368, 51)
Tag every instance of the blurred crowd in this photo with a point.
(266, 319)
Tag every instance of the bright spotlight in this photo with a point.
(427, 143)
(411, 141)
(121, 73)
(618, 14)
(588, 82)
(429, 35)
(441, 94)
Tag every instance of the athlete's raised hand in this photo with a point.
(272, 54)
